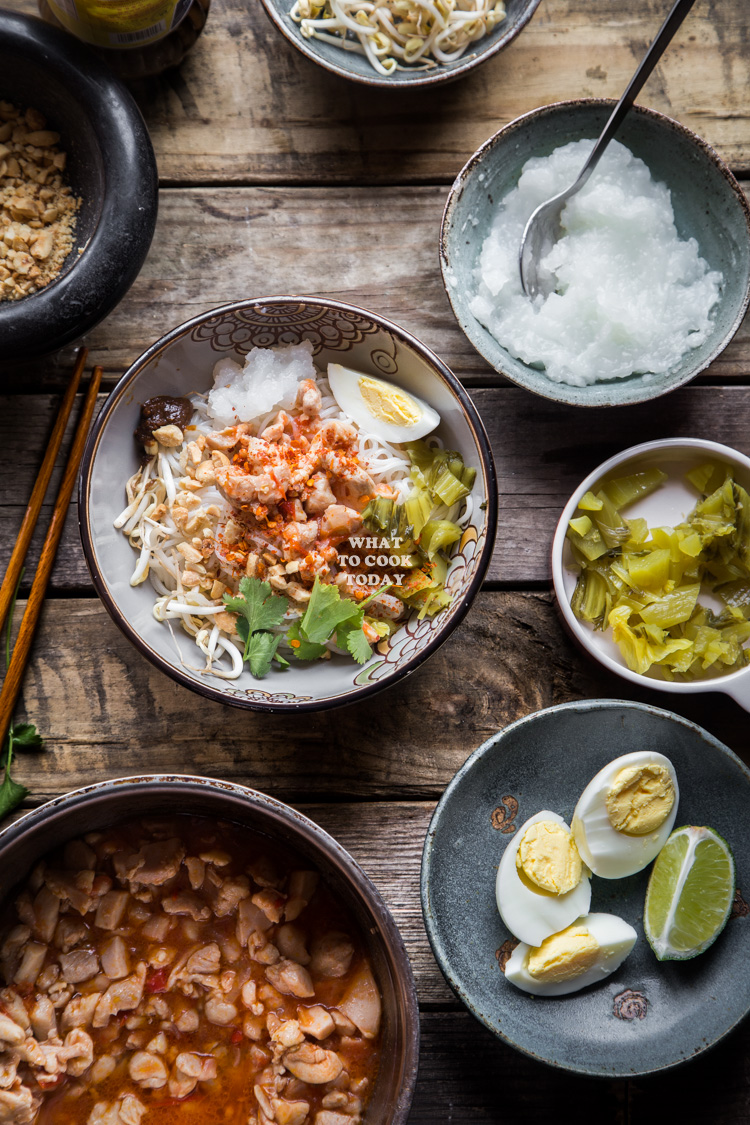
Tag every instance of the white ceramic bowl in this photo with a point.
(668, 505)
(183, 361)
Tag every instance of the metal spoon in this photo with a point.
(543, 228)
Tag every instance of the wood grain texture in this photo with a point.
(246, 107)
(376, 249)
(105, 711)
(542, 451)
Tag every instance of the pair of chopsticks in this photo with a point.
(14, 676)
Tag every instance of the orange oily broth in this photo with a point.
(229, 1098)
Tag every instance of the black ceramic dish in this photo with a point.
(648, 1016)
(111, 167)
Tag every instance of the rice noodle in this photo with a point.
(159, 489)
(399, 34)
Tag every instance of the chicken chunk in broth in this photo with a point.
(169, 971)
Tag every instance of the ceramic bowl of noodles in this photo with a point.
(406, 48)
(288, 503)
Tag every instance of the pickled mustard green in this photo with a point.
(645, 583)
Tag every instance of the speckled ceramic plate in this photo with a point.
(647, 1016)
(183, 361)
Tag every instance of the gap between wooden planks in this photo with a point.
(374, 248)
(542, 452)
(508, 658)
(246, 107)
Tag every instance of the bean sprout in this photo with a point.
(399, 34)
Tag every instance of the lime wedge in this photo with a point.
(690, 893)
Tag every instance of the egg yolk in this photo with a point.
(640, 799)
(389, 404)
(548, 857)
(564, 956)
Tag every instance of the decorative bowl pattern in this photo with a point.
(708, 204)
(183, 361)
(348, 64)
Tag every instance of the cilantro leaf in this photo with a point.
(302, 649)
(354, 640)
(325, 611)
(259, 610)
(27, 736)
(11, 793)
(261, 649)
(257, 603)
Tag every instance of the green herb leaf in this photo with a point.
(259, 610)
(11, 793)
(27, 736)
(261, 649)
(302, 649)
(325, 611)
(354, 640)
(257, 604)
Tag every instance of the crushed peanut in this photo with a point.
(37, 208)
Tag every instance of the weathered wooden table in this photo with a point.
(280, 178)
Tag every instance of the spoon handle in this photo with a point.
(679, 10)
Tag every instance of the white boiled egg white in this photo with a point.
(584, 953)
(530, 912)
(379, 407)
(625, 814)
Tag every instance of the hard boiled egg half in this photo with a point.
(379, 407)
(625, 814)
(541, 885)
(582, 954)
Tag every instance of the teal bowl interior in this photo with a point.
(708, 205)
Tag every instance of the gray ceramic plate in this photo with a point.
(647, 1016)
(708, 205)
(347, 64)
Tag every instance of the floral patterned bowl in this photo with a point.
(183, 361)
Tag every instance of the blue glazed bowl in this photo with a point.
(708, 205)
(356, 67)
(649, 1015)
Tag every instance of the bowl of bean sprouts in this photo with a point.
(400, 42)
(174, 540)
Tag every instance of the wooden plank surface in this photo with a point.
(246, 107)
(373, 249)
(509, 657)
(542, 451)
(268, 165)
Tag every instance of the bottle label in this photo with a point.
(120, 23)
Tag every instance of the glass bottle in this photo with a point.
(138, 38)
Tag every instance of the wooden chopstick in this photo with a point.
(14, 676)
(15, 566)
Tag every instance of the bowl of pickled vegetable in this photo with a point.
(651, 566)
